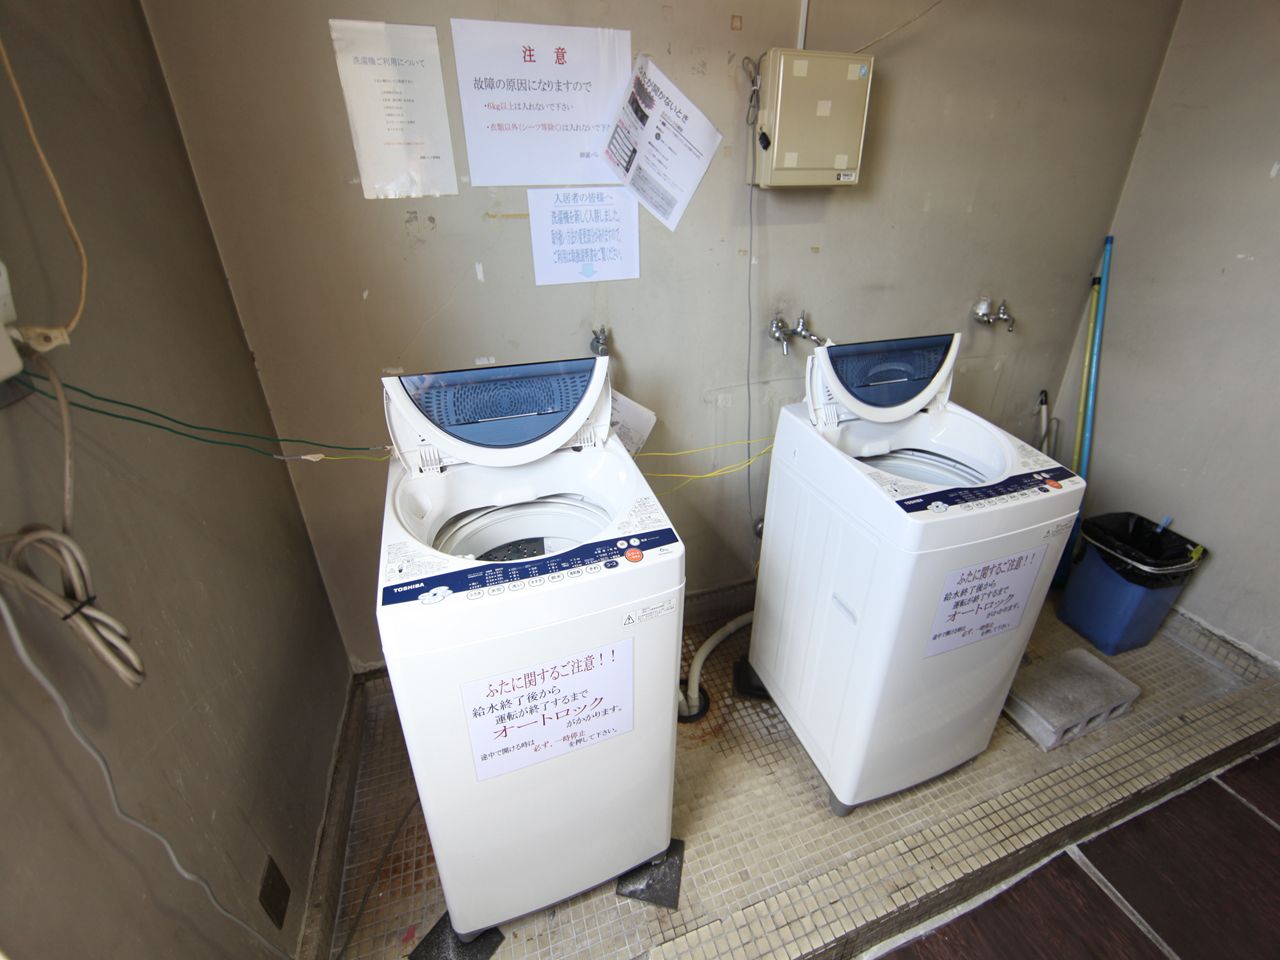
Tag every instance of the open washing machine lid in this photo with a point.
(883, 381)
(497, 416)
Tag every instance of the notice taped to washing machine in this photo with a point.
(545, 710)
(983, 600)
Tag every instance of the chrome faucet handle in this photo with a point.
(781, 331)
(1003, 314)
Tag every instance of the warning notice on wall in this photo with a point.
(540, 712)
(983, 600)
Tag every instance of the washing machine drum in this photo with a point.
(510, 417)
(522, 531)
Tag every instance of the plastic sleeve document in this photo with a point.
(661, 144)
(394, 90)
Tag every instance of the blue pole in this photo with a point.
(1096, 350)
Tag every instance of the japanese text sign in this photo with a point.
(536, 99)
(394, 92)
(660, 144)
(535, 713)
(584, 234)
(983, 600)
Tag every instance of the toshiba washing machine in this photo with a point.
(530, 604)
(908, 545)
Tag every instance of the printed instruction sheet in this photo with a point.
(537, 100)
(660, 144)
(545, 710)
(584, 234)
(394, 90)
(983, 600)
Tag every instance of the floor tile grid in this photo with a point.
(885, 881)
(595, 923)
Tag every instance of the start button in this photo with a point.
(634, 554)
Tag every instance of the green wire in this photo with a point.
(183, 423)
(158, 426)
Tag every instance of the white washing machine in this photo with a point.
(908, 545)
(530, 606)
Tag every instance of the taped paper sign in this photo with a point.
(537, 99)
(983, 600)
(661, 144)
(584, 234)
(394, 91)
(522, 717)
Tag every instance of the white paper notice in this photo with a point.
(582, 234)
(661, 144)
(394, 89)
(525, 716)
(983, 600)
(537, 100)
(631, 423)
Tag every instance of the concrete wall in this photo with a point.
(1185, 422)
(999, 136)
(200, 550)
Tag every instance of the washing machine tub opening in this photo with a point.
(521, 531)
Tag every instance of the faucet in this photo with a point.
(782, 331)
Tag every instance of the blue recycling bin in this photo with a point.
(1127, 578)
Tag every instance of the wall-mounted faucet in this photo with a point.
(982, 313)
(782, 331)
(600, 341)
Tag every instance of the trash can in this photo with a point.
(1121, 587)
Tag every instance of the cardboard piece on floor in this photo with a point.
(656, 883)
(441, 943)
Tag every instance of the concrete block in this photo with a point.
(1067, 695)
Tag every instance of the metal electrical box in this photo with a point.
(812, 117)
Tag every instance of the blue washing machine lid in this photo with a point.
(883, 381)
(497, 416)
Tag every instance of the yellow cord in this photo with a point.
(714, 446)
(688, 478)
(45, 338)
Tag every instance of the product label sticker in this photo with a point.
(984, 600)
(522, 717)
(650, 612)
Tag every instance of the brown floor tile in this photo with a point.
(1258, 781)
(1201, 870)
(1057, 913)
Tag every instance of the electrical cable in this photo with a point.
(752, 69)
(906, 23)
(687, 478)
(45, 338)
(24, 656)
(714, 446)
(76, 605)
(373, 881)
(210, 440)
(197, 426)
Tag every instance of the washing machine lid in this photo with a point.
(884, 381)
(497, 416)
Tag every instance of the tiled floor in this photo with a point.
(770, 872)
(1194, 877)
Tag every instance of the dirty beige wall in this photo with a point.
(999, 136)
(1185, 425)
(200, 550)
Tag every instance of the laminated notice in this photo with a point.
(983, 600)
(546, 710)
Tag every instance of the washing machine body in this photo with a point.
(530, 606)
(908, 545)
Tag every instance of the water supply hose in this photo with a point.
(690, 701)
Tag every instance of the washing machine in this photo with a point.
(907, 548)
(530, 606)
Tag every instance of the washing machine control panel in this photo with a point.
(495, 579)
(1023, 486)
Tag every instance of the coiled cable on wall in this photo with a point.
(76, 605)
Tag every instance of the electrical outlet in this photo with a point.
(10, 362)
